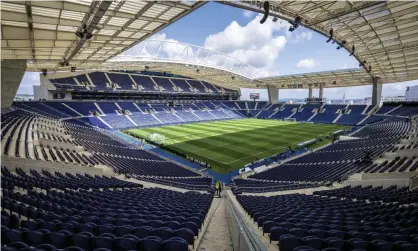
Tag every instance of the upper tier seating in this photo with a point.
(305, 112)
(405, 111)
(126, 219)
(328, 114)
(306, 222)
(118, 81)
(285, 111)
(123, 81)
(354, 116)
(386, 108)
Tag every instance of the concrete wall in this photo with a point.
(414, 183)
(59, 145)
(273, 94)
(12, 72)
(386, 176)
(379, 182)
(402, 153)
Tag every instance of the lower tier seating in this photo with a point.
(121, 219)
(307, 222)
(390, 194)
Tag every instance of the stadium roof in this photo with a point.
(385, 33)
(327, 79)
(44, 32)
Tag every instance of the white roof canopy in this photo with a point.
(44, 31)
(326, 79)
(384, 33)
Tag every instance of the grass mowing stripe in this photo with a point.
(233, 143)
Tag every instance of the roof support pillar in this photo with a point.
(273, 93)
(12, 72)
(310, 93)
(321, 91)
(376, 91)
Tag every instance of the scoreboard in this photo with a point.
(254, 95)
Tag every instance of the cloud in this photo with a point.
(302, 36)
(28, 81)
(306, 63)
(255, 44)
(248, 14)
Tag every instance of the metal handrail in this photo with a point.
(174, 183)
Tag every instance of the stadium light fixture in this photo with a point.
(266, 6)
(370, 69)
(295, 24)
(89, 35)
(362, 63)
(353, 49)
(331, 35)
(341, 45)
(79, 34)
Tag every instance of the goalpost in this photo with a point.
(156, 138)
(290, 119)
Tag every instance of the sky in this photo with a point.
(269, 47)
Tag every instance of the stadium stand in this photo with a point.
(327, 113)
(338, 161)
(310, 222)
(124, 219)
(72, 180)
(82, 145)
(390, 194)
(119, 82)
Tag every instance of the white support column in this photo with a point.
(310, 92)
(273, 93)
(321, 91)
(376, 91)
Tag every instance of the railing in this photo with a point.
(277, 188)
(174, 183)
(243, 237)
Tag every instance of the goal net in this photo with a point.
(156, 138)
(290, 119)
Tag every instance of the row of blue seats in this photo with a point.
(324, 222)
(107, 81)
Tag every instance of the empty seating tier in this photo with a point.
(123, 219)
(307, 222)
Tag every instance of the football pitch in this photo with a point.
(231, 144)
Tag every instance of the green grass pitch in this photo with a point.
(231, 144)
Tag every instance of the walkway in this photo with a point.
(217, 236)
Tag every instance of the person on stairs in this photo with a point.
(218, 188)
